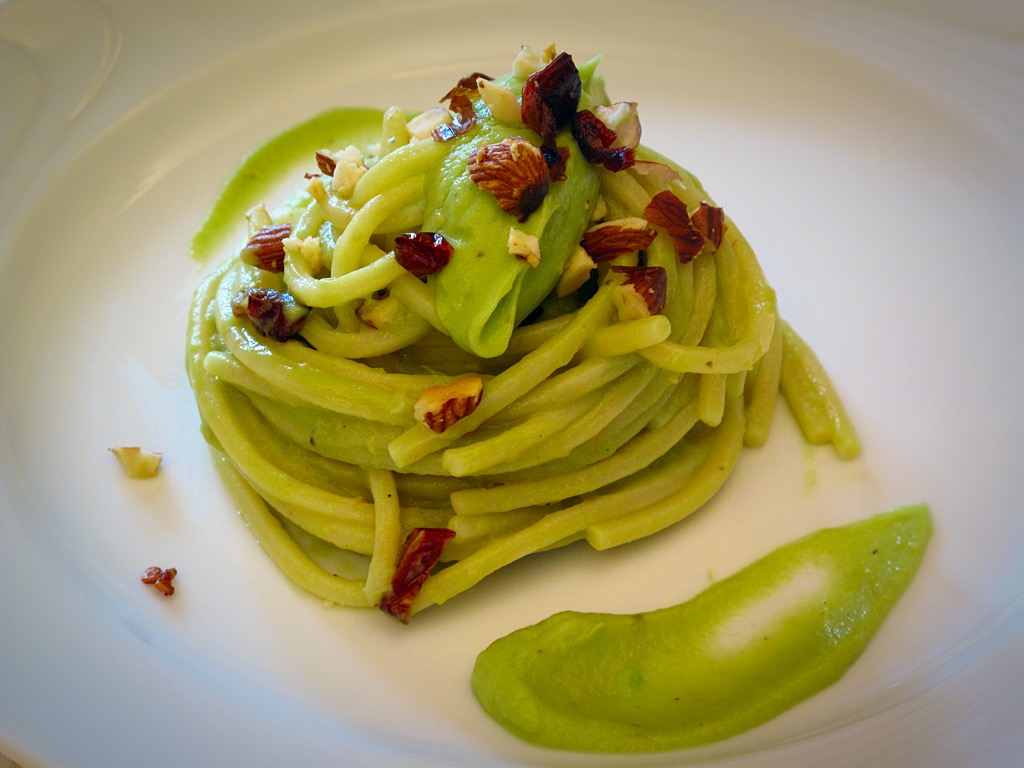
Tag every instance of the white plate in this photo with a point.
(874, 155)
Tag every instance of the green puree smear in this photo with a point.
(733, 657)
(263, 167)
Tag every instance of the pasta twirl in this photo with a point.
(586, 360)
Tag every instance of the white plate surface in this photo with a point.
(872, 152)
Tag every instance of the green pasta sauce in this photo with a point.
(733, 657)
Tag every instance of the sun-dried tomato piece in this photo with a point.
(557, 159)
(669, 212)
(537, 115)
(466, 85)
(709, 220)
(596, 140)
(464, 117)
(423, 548)
(423, 253)
(651, 283)
(559, 87)
(274, 314)
(160, 578)
(551, 96)
(591, 133)
(617, 237)
(515, 172)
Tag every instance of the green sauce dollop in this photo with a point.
(733, 657)
(485, 292)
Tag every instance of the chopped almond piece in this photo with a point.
(316, 189)
(309, 249)
(709, 220)
(265, 249)
(424, 124)
(617, 237)
(348, 170)
(136, 462)
(529, 60)
(441, 406)
(629, 305)
(325, 161)
(258, 217)
(501, 100)
(622, 118)
(658, 173)
(668, 211)
(515, 172)
(642, 293)
(524, 246)
(576, 273)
